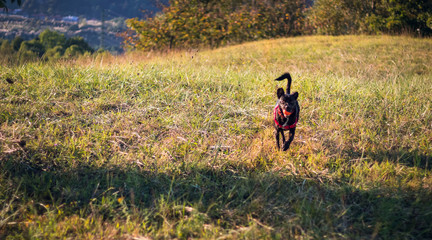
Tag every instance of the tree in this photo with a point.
(193, 23)
(371, 16)
(51, 39)
(402, 15)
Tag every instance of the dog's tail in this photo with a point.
(286, 76)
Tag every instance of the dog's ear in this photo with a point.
(280, 92)
(295, 95)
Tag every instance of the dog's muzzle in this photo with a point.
(286, 113)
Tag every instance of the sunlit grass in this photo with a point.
(180, 144)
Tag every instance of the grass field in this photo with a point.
(180, 145)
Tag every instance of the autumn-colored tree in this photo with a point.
(193, 23)
(371, 16)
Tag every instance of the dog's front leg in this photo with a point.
(276, 132)
(283, 136)
(290, 139)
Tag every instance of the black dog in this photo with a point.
(286, 113)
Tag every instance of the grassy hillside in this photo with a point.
(181, 145)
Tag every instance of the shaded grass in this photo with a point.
(180, 145)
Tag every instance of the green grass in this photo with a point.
(180, 145)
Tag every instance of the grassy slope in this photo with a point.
(181, 145)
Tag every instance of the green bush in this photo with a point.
(26, 56)
(53, 53)
(16, 43)
(5, 47)
(73, 51)
(34, 46)
(80, 42)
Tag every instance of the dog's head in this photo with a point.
(287, 102)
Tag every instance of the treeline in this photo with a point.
(49, 45)
(192, 23)
(372, 17)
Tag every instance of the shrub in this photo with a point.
(53, 53)
(34, 46)
(26, 56)
(80, 42)
(16, 43)
(73, 51)
(5, 47)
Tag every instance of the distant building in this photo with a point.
(16, 11)
(10, 11)
(71, 19)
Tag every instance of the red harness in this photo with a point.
(277, 111)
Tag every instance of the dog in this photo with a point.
(286, 113)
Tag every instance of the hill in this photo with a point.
(180, 144)
(75, 18)
(91, 30)
(89, 9)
